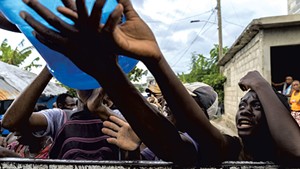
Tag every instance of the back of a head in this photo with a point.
(205, 96)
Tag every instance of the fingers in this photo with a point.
(242, 87)
(112, 141)
(111, 126)
(69, 4)
(109, 132)
(44, 34)
(113, 19)
(68, 13)
(50, 17)
(129, 11)
(47, 42)
(96, 13)
(117, 120)
(82, 14)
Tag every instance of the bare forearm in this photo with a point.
(22, 107)
(187, 112)
(279, 119)
(143, 118)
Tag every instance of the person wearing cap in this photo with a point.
(154, 93)
(260, 120)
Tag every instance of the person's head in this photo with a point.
(65, 101)
(153, 89)
(250, 117)
(296, 85)
(96, 96)
(204, 95)
(289, 79)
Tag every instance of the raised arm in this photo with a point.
(20, 112)
(94, 43)
(135, 39)
(277, 115)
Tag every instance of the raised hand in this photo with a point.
(86, 44)
(96, 104)
(121, 134)
(251, 80)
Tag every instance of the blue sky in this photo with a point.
(177, 37)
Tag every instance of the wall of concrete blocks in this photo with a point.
(247, 59)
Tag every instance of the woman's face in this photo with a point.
(250, 116)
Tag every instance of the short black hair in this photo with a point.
(62, 98)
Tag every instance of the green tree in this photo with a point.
(205, 69)
(18, 55)
(136, 74)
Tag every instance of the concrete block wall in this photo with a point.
(247, 59)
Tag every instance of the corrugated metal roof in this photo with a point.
(13, 80)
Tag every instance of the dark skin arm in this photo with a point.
(88, 38)
(96, 104)
(22, 107)
(277, 115)
(135, 39)
(277, 84)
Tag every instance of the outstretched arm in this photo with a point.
(277, 115)
(135, 39)
(85, 40)
(20, 112)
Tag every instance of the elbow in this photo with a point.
(8, 123)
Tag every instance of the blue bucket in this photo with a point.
(60, 66)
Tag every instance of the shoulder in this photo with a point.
(54, 115)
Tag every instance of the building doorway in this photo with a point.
(284, 62)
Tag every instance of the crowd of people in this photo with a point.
(116, 122)
(291, 88)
